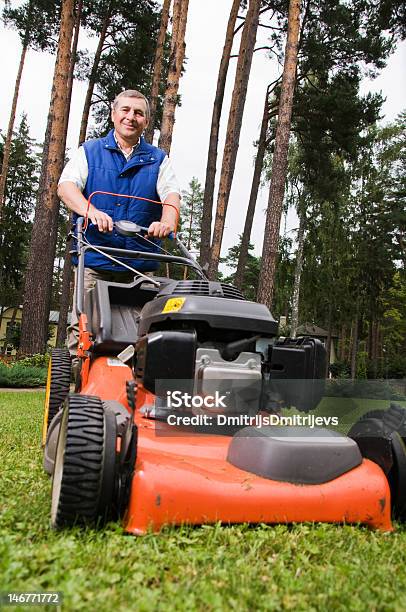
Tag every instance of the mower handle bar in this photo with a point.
(129, 228)
(187, 260)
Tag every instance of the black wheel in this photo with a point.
(373, 414)
(381, 437)
(84, 473)
(58, 383)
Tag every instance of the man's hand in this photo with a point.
(160, 229)
(103, 221)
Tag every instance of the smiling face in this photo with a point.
(130, 119)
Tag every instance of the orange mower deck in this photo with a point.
(185, 478)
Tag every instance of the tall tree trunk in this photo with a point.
(93, 75)
(354, 347)
(369, 344)
(67, 266)
(214, 137)
(342, 342)
(9, 136)
(156, 75)
(246, 50)
(38, 281)
(375, 352)
(329, 340)
(377, 338)
(178, 46)
(298, 273)
(280, 159)
(256, 179)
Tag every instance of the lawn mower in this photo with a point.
(172, 418)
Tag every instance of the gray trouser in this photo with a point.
(91, 276)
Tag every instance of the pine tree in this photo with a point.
(251, 272)
(124, 55)
(191, 215)
(15, 225)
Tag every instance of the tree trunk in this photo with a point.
(67, 265)
(375, 351)
(9, 137)
(341, 344)
(280, 159)
(38, 281)
(298, 273)
(256, 179)
(93, 76)
(214, 137)
(369, 347)
(328, 341)
(178, 46)
(377, 340)
(246, 50)
(156, 75)
(354, 347)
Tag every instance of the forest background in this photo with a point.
(364, 310)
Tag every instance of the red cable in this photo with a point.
(122, 195)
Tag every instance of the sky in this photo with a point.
(205, 33)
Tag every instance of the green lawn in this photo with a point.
(304, 567)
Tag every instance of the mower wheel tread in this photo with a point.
(373, 414)
(60, 373)
(87, 450)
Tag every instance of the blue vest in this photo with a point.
(110, 171)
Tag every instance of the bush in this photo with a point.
(17, 375)
(340, 369)
(396, 366)
(38, 360)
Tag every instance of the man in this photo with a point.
(121, 163)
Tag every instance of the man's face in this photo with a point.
(130, 118)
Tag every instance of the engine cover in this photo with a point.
(217, 312)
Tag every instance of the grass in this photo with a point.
(300, 567)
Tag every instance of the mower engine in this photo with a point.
(205, 348)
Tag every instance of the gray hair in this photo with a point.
(132, 93)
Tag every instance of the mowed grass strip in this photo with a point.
(300, 567)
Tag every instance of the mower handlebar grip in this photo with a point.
(140, 228)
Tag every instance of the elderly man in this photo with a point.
(120, 163)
